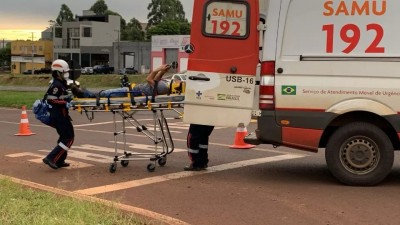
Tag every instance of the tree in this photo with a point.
(99, 7)
(65, 15)
(163, 10)
(169, 28)
(5, 55)
(133, 31)
(169, 15)
(164, 28)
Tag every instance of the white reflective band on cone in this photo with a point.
(24, 121)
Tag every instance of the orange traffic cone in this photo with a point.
(24, 124)
(241, 132)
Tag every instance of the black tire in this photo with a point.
(162, 161)
(124, 163)
(113, 167)
(151, 167)
(359, 154)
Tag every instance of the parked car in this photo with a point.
(128, 70)
(177, 77)
(45, 70)
(87, 70)
(131, 70)
(30, 72)
(5, 69)
(103, 69)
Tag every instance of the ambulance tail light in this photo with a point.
(267, 86)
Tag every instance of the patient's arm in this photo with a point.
(157, 74)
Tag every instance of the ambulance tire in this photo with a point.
(359, 154)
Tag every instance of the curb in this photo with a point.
(143, 213)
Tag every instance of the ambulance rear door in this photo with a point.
(223, 57)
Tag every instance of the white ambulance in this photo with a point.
(323, 74)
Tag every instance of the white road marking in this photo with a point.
(80, 152)
(173, 176)
(112, 150)
(94, 148)
(38, 159)
(88, 156)
(147, 147)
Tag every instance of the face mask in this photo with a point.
(66, 75)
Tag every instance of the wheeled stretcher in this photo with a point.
(126, 108)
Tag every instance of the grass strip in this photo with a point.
(16, 99)
(21, 205)
(87, 81)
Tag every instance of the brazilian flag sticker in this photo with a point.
(222, 97)
(288, 90)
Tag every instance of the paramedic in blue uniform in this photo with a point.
(197, 144)
(58, 98)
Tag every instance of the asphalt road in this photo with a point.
(261, 185)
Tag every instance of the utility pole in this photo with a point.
(33, 69)
(118, 51)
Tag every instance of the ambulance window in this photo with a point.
(226, 19)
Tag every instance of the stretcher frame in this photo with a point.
(126, 108)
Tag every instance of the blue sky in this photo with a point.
(26, 16)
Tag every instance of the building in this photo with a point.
(28, 55)
(47, 34)
(128, 54)
(168, 49)
(88, 40)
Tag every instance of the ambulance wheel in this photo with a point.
(151, 167)
(359, 154)
(162, 161)
(124, 163)
(113, 167)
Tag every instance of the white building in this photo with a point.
(88, 40)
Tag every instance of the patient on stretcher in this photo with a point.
(154, 85)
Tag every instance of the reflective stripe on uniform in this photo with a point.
(63, 146)
(61, 97)
(64, 96)
(203, 146)
(193, 151)
(51, 97)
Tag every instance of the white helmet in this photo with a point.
(60, 66)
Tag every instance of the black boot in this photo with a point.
(49, 163)
(191, 167)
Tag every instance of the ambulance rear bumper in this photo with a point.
(267, 132)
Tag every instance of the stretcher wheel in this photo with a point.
(151, 167)
(124, 163)
(162, 161)
(113, 167)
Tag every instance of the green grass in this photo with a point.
(16, 99)
(21, 205)
(89, 81)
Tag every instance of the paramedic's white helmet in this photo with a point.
(61, 66)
